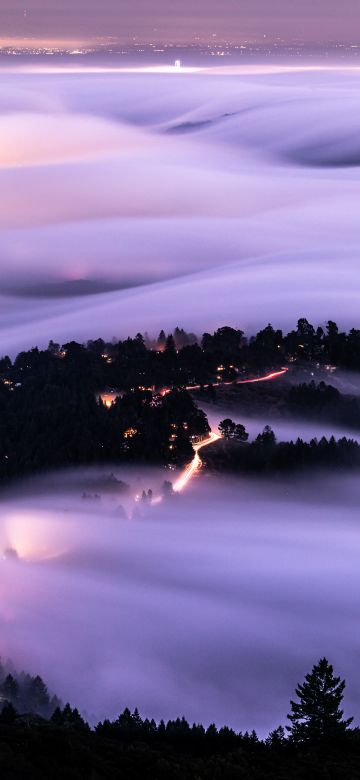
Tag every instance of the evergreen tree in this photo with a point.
(37, 696)
(8, 714)
(227, 428)
(170, 345)
(240, 433)
(167, 489)
(317, 714)
(276, 738)
(69, 718)
(267, 438)
(9, 689)
(161, 340)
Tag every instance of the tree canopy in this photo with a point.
(317, 715)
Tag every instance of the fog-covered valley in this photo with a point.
(135, 201)
(210, 604)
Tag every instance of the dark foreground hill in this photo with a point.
(320, 744)
(32, 749)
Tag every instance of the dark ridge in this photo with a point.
(318, 744)
(189, 127)
(68, 289)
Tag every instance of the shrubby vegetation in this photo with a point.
(318, 743)
(306, 400)
(54, 420)
(324, 402)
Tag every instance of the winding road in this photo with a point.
(194, 467)
(195, 464)
(266, 378)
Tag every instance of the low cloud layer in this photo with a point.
(240, 185)
(213, 606)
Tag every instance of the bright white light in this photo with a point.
(195, 464)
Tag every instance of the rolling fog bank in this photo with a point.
(285, 429)
(227, 195)
(213, 604)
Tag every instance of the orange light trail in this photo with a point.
(266, 378)
(273, 375)
(195, 465)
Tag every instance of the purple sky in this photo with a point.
(312, 20)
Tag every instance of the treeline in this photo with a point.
(326, 344)
(179, 360)
(324, 402)
(319, 743)
(265, 455)
(51, 415)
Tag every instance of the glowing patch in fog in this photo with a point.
(29, 536)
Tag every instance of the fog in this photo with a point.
(212, 605)
(198, 198)
(193, 198)
(346, 381)
(285, 429)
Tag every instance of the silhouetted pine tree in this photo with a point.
(317, 714)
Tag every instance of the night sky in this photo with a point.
(179, 20)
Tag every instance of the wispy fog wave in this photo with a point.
(247, 177)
